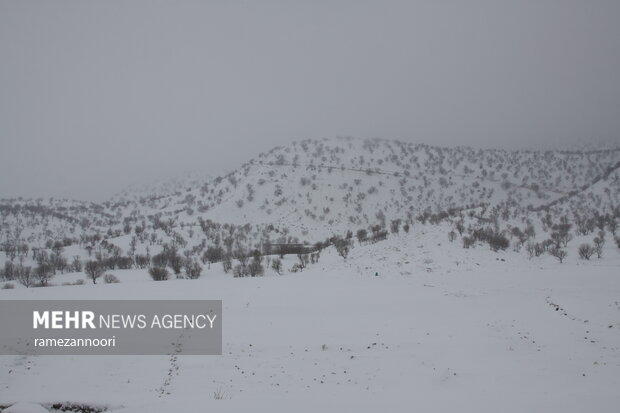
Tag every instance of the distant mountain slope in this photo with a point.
(312, 189)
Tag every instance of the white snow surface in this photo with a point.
(439, 329)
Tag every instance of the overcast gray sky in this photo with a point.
(98, 95)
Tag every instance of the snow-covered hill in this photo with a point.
(314, 189)
(439, 328)
(434, 278)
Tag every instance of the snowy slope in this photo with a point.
(314, 189)
(440, 328)
(446, 324)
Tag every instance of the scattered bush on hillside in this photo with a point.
(558, 253)
(362, 235)
(451, 236)
(276, 264)
(295, 268)
(585, 251)
(227, 264)
(536, 249)
(9, 270)
(378, 235)
(495, 239)
(142, 261)
(25, 276)
(158, 273)
(192, 269)
(43, 274)
(240, 270)
(561, 234)
(468, 242)
(213, 255)
(168, 257)
(176, 263)
(110, 279)
(395, 226)
(342, 247)
(255, 268)
(598, 244)
(530, 248)
(303, 261)
(76, 264)
(93, 270)
(159, 260)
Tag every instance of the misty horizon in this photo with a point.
(95, 97)
(187, 175)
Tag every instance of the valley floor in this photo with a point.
(439, 329)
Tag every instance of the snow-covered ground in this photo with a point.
(439, 329)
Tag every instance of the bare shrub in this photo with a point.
(598, 246)
(498, 242)
(240, 270)
(76, 264)
(451, 236)
(158, 273)
(558, 253)
(227, 264)
(303, 261)
(585, 251)
(94, 270)
(25, 276)
(192, 269)
(110, 279)
(276, 264)
(43, 274)
(255, 268)
(343, 247)
(362, 235)
(468, 242)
